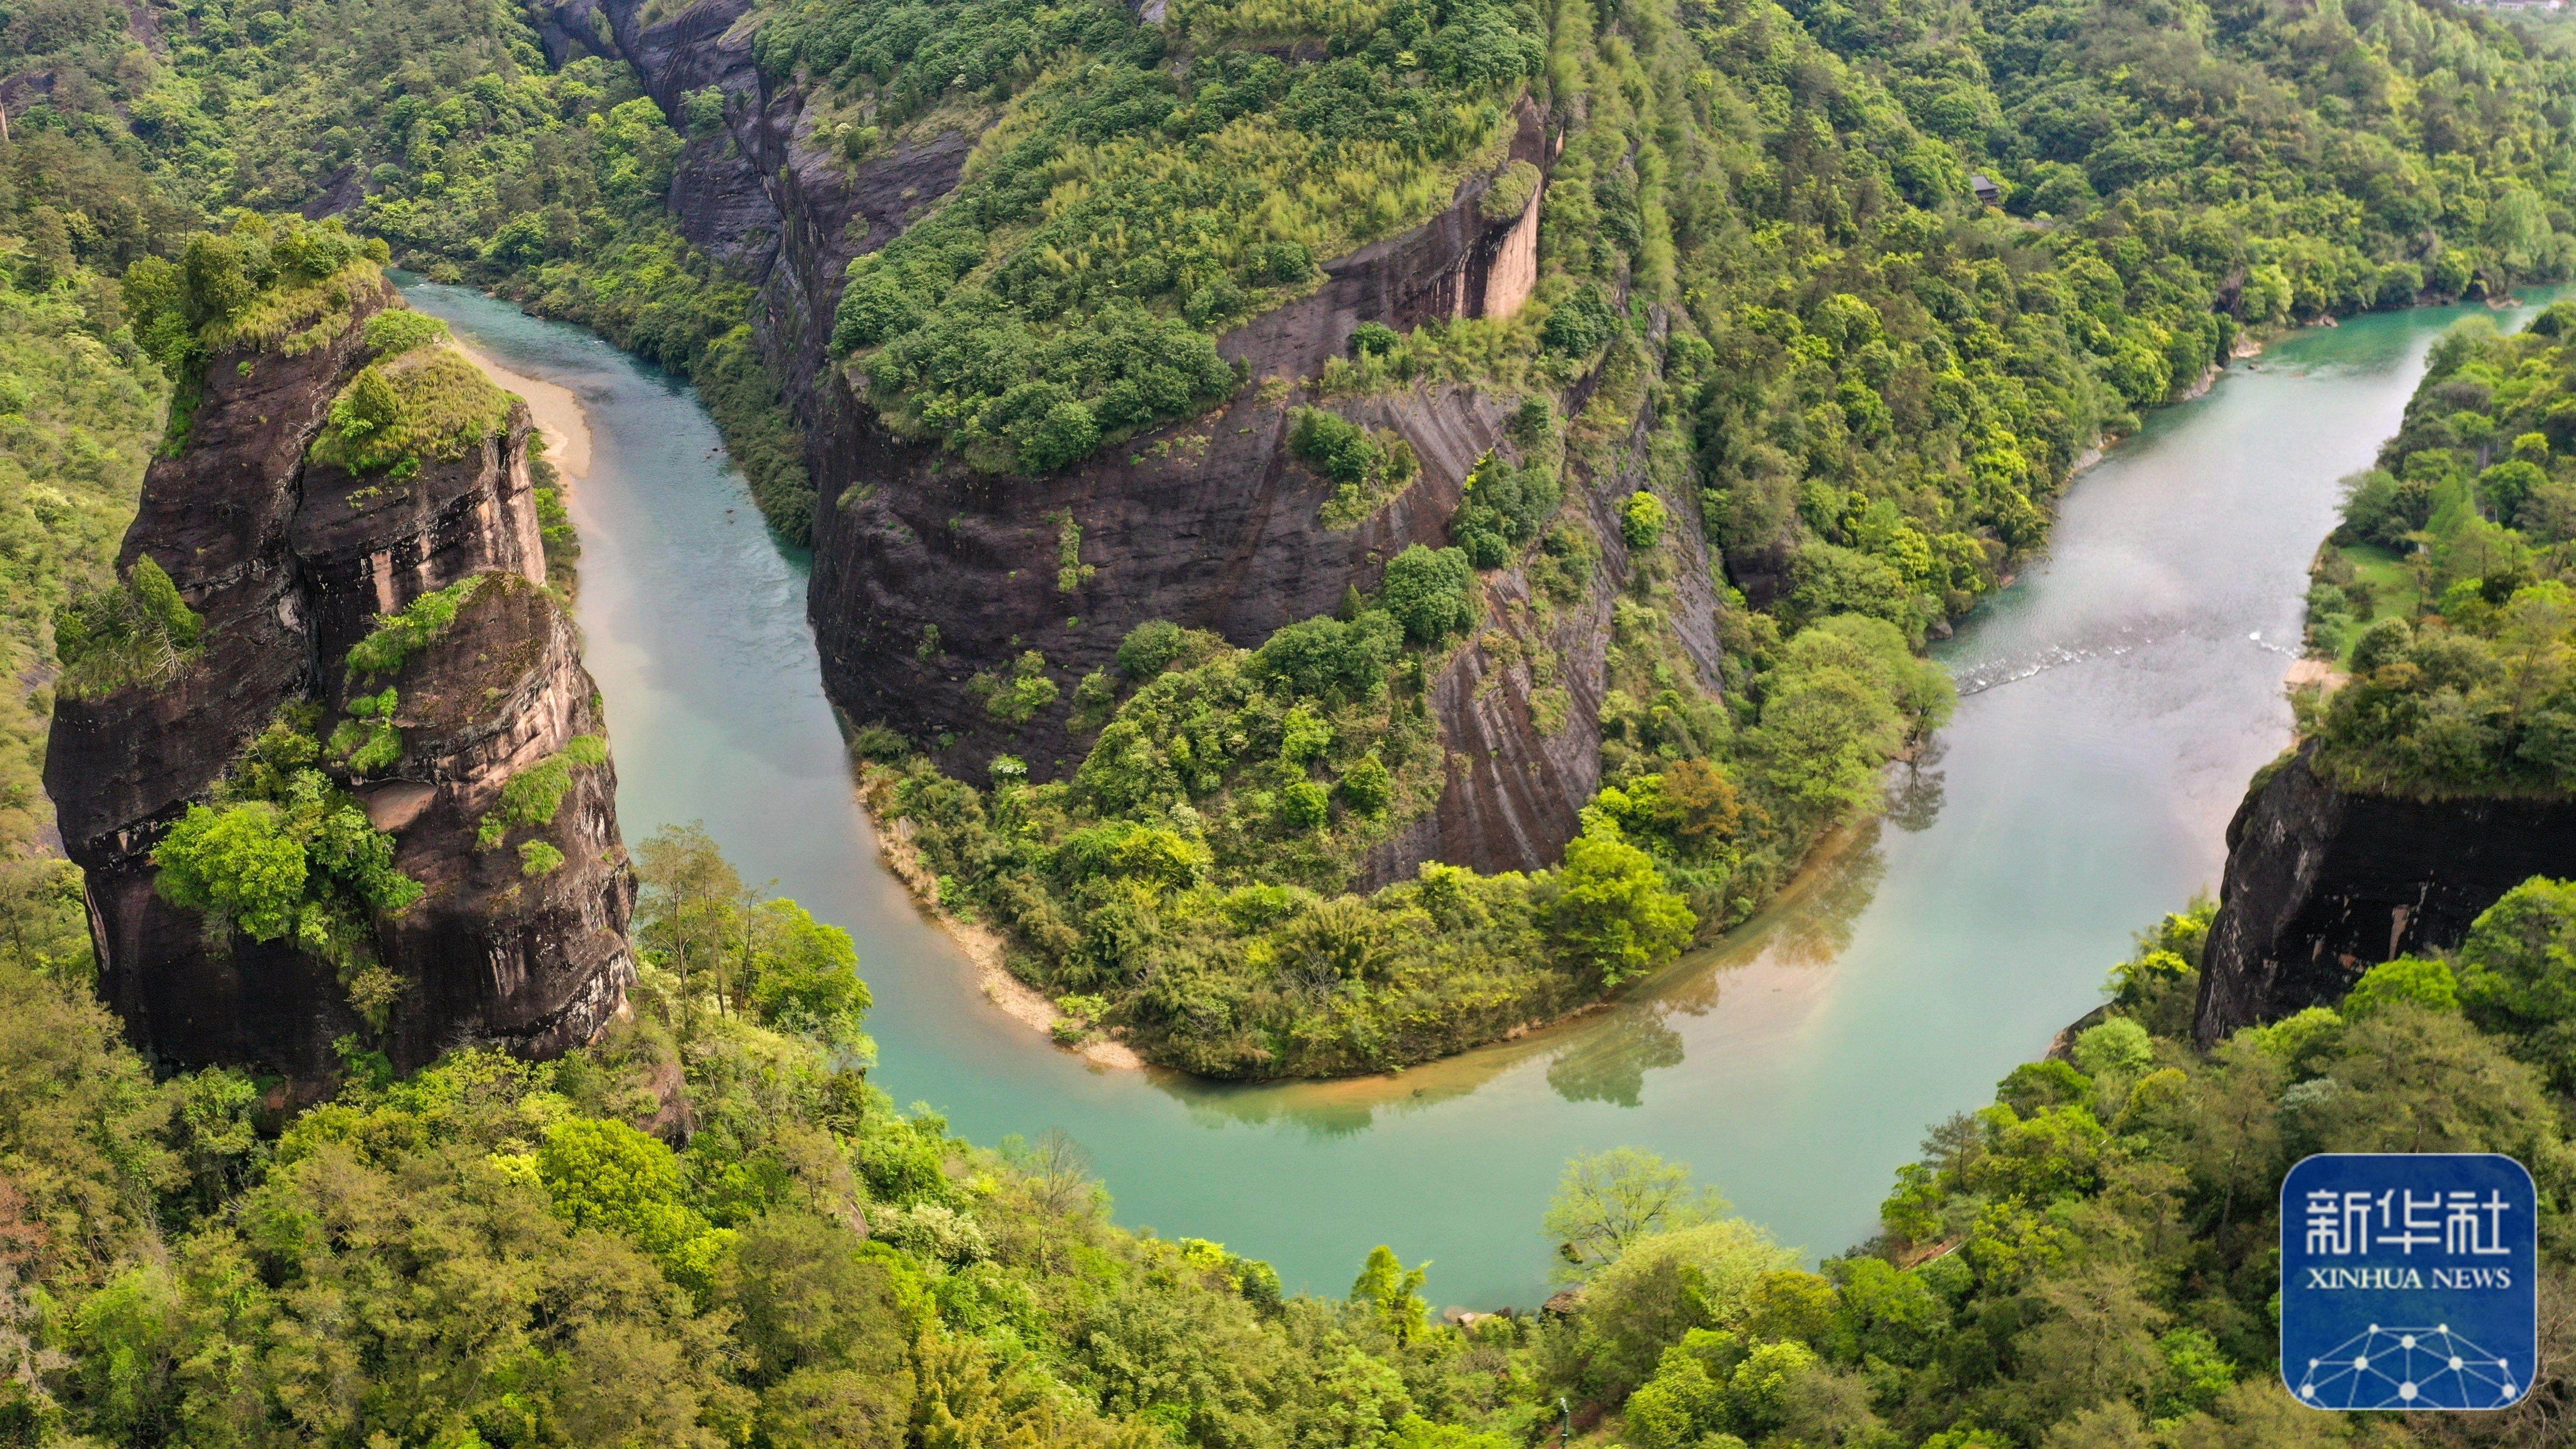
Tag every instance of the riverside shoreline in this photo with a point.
(557, 411)
(984, 946)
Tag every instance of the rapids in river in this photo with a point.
(2114, 701)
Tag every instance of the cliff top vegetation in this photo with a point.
(2446, 590)
(257, 285)
(2330, 166)
(411, 406)
(1141, 190)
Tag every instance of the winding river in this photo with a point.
(2114, 702)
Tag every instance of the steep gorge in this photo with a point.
(288, 562)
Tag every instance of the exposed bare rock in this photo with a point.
(2324, 883)
(535, 962)
(339, 192)
(366, 548)
(218, 517)
(1515, 789)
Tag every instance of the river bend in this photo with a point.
(2113, 703)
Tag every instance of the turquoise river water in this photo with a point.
(2114, 702)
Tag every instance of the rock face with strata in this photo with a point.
(287, 562)
(927, 574)
(2324, 883)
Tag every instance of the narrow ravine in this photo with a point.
(2116, 700)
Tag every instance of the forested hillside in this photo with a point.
(1762, 251)
(80, 410)
(437, 127)
(2442, 593)
(2344, 156)
(1766, 284)
(502, 1253)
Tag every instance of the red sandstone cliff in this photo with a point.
(287, 562)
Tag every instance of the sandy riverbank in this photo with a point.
(557, 411)
(2309, 670)
(1018, 1000)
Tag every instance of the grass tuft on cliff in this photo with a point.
(400, 635)
(429, 404)
(258, 284)
(137, 631)
(533, 796)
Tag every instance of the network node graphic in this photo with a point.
(2410, 1368)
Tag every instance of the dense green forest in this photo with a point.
(1786, 191)
(1760, 244)
(1027, 325)
(80, 411)
(2444, 592)
(584, 1253)
(1770, 181)
(438, 128)
(1188, 885)
(2170, 173)
(1223, 941)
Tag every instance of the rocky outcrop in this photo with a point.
(287, 562)
(927, 574)
(537, 963)
(364, 549)
(2323, 883)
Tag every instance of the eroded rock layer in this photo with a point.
(2324, 883)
